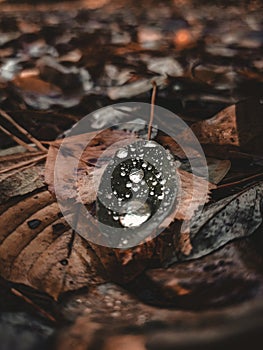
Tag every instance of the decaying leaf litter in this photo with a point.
(212, 85)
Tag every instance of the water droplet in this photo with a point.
(123, 173)
(136, 175)
(122, 153)
(162, 182)
(127, 195)
(150, 144)
(144, 165)
(154, 183)
(135, 216)
(64, 262)
(151, 193)
(33, 223)
(58, 228)
(135, 187)
(149, 167)
(115, 217)
(128, 184)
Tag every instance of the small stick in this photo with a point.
(17, 139)
(21, 164)
(252, 177)
(35, 306)
(152, 109)
(23, 131)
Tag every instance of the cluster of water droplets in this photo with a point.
(135, 184)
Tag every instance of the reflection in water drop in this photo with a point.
(135, 187)
(135, 216)
(136, 175)
(150, 144)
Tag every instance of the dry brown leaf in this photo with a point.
(237, 127)
(220, 129)
(38, 249)
(93, 145)
(124, 265)
(36, 85)
(16, 178)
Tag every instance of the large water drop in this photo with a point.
(136, 175)
(135, 216)
(122, 153)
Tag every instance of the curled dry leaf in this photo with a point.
(237, 127)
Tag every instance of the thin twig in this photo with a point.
(238, 182)
(17, 157)
(17, 139)
(23, 131)
(22, 164)
(152, 109)
(35, 306)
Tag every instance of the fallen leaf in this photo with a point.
(38, 249)
(239, 127)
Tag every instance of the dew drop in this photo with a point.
(33, 223)
(115, 217)
(150, 144)
(136, 175)
(128, 184)
(135, 217)
(123, 173)
(122, 153)
(135, 187)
